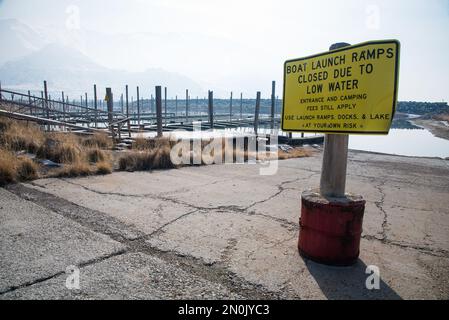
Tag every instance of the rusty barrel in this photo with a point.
(330, 228)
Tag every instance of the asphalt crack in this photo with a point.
(231, 208)
(379, 204)
(217, 272)
(57, 274)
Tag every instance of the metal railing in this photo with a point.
(62, 111)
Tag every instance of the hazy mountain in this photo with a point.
(92, 54)
(67, 69)
(18, 40)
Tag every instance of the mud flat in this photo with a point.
(223, 231)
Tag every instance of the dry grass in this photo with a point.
(98, 140)
(96, 155)
(77, 153)
(104, 167)
(27, 169)
(74, 152)
(147, 154)
(137, 161)
(146, 160)
(155, 154)
(4, 124)
(294, 153)
(7, 167)
(61, 148)
(141, 143)
(14, 169)
(17, 136)
(76, 169)
(162, 159)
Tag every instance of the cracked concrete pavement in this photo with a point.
(223, 231)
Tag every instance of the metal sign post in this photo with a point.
(335, 157)
(349, 89)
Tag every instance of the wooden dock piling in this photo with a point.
(187, 105)
(273, 102)
(241, 105)
(211, 108)
(46, 104)
(165, 105)
(109, 102)
(230, 108)
(138, 107)
(95, 106)
(159, 110)
(256, 113)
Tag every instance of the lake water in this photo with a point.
(406, 142)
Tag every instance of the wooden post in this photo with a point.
(95, 106)
(176, 105)
(278, 111)
(165, 105)
(256, 112)
(109, 100)
(138, 107)
(87, 111)
(273, 102)
(46, 103)
(0, 91)
(67, 109)
(127, 105)
(121, 104)
(230, 109)
(29, 100)
(211, 108)
(151, 104)
(133, 110)
(241, 105)
(335, 157)
(63, 105)
(187, 105)
(127, 111)
(159, 110)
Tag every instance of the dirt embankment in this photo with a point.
(439, 127)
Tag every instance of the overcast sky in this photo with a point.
(260, 35)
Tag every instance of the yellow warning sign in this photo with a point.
(347, 90)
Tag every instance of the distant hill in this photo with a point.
(69, 70)
(422, 108)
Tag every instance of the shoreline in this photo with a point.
(435, 127)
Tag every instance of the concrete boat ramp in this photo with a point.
(222, 231)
